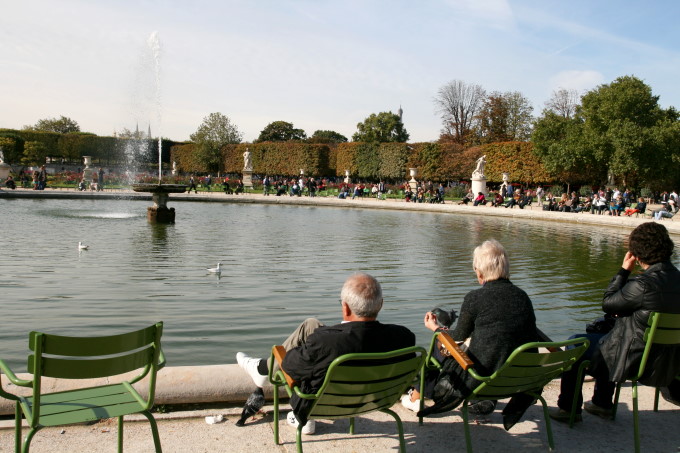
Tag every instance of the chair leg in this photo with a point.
(276, 414)
(298, 438)
(154, 431)
(17, 429)
(422, 393)
(351, 425)
(546, 416)
(466, 427)
(29, 438)
(120, 434)
(578, 391)
(400, 428)
(616, 400)
(636, 422)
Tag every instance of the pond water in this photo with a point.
(281, 264)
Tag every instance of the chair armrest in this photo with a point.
(279, 354)
(456, 352)
(161, 360)
(14, 380)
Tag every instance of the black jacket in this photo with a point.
(632, 300)
(309, 362)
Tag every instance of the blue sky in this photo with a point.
(317, 64)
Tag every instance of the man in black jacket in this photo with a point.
(616, 356)
(313, 346)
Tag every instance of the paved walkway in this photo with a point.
(188, 432)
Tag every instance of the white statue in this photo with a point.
(479, 171)
(247, 162)
(174, 167)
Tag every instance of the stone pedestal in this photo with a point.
(87, 172)
(479, 185)
(4, 170)
(248, 178)
(160, 214)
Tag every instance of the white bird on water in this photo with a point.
(82, 246)
(215, 270)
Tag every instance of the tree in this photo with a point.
(281, 131)
(458, 103)
(62, 125)
(35, 153)
(384, 127)
(619, 129)
(504, 117)
(327, 137)
(215, 131)
(563, 102)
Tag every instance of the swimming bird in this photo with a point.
(253, 405)
(82, 246)
(215, 270)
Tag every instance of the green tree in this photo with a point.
(34, 153)
(62, 125)
(327, 137)
(215, 131)
(384, 127)
(280, 131)
(620, 129)
(8, 146)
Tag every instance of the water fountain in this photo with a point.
(159, 212)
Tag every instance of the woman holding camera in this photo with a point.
(498, 317)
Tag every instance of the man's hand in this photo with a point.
(629, 262)
(431, 321)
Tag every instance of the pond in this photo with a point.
(281, 264)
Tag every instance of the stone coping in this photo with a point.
(534, 212)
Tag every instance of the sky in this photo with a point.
(319, 64)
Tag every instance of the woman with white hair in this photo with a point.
(498, 317)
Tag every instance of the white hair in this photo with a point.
(363, 295)
(491, 260)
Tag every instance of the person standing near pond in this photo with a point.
(615, 356)
(42, 178)
(192, 185)
(100, 180)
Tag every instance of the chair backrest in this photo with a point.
(361, 383)
(94, 357)
(662, 329)
(528, 369)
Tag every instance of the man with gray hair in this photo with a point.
(313, 346)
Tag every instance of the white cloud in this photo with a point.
(577, 80)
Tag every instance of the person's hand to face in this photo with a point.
(629, 262)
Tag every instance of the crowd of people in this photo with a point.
(495, 319)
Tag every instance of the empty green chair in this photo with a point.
(355, 384)
(60, 357)
(527, 370)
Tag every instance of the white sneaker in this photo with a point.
(408, 404)
(309, 428)
(250, 364)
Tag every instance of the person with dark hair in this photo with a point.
(615, 355)
(480, 200)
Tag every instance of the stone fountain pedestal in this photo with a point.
(479, 185)
(159, 212)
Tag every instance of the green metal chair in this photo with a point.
(355, 384)
(527, 370)
(62, 357)
(662, 329)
